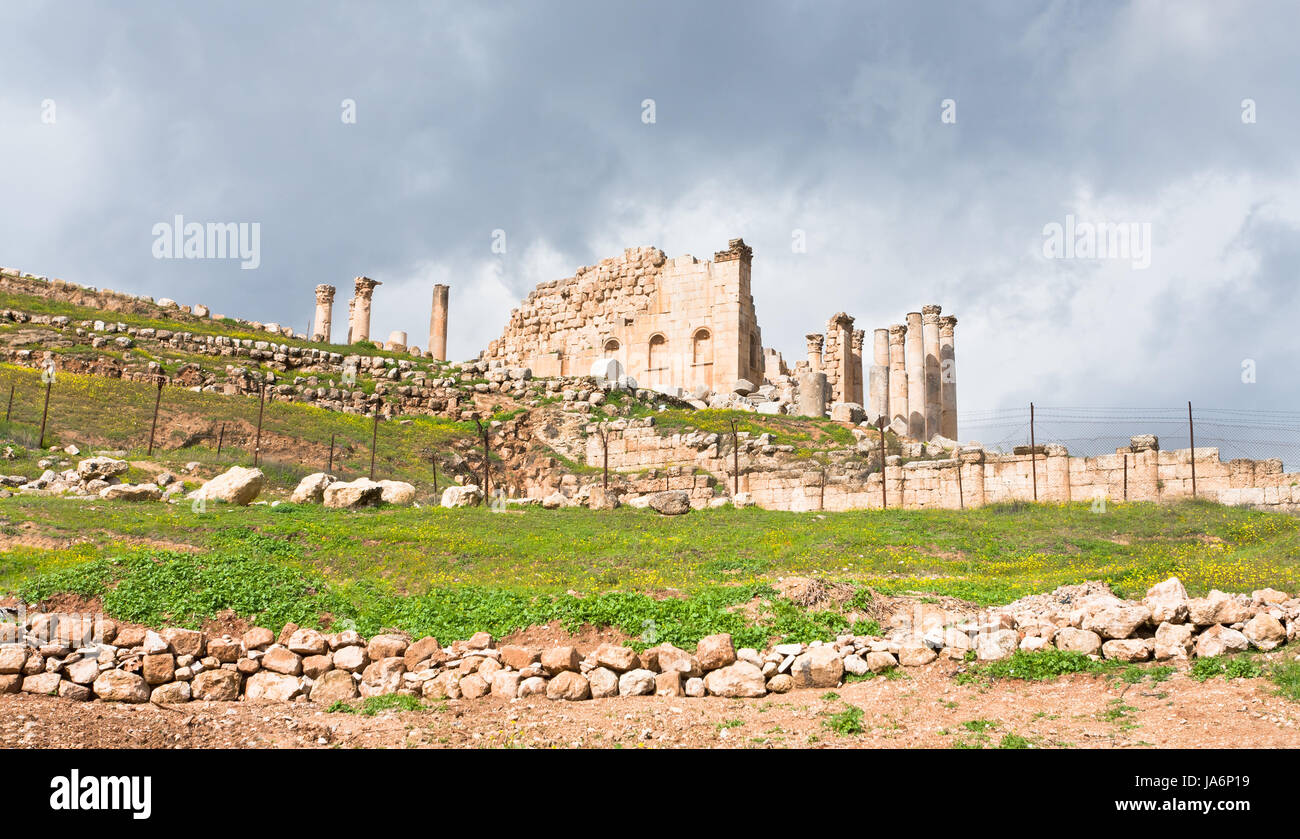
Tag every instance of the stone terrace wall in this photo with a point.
(775, 479)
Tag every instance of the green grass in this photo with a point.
(1286, 676)
(1229, 667)
(377, 704)
(847, 722)
(99, 412)
(1041, 665)
(450, 573)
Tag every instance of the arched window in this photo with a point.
(702, 347)
(658, 352)
(611, 346)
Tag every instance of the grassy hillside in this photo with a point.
(106, 413)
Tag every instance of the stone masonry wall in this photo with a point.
(681, 322)
(773, 478)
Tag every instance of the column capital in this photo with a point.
(840, 320)
(930, 314)
(897, 332)
(946, 325)
(815, 341)
(325, 293)
(365, 287)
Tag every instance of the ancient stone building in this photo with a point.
(912, 381)
(671, 323)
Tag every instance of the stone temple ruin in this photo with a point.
(688, 328)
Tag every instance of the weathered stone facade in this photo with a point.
(671, 323)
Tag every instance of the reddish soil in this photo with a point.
(925, 709)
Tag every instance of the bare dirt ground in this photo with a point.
(926, 708)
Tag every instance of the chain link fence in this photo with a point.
(1089, 431)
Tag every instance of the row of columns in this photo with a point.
(913, 380)
(359, 315)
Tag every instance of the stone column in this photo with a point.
(320, 330)
(352, 316)
(878, 384)
(812, 394)
(365, 289)
(915, 378)
(930, 346)
(859, 338)
(897, 374)
(843, 326)
(438, 323)
(947, 379)
(815, 344)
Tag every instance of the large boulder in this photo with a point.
(399, 493)
(311, 489)
(636, 683)
(569, 686)
(1078, 640)
(1117, 621)
(1128, 650)
(616, 658)
(1174, 641)
(468, 495)
(996, 645)
(1167, 601)
(1218, 640)
(671, 502)
(820, 667)
(237, 485)
(265, 686)
(334, 686)
(121, 686)
(714, 651)
(101, 467)
(1216, 607)
(1265, 632)
(216, 686)
(131, 492)
(741, 679)
(350, 495)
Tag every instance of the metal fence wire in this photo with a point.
(1087, 431)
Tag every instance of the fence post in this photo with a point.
(374, 441)
(604, 447)
(153, 429)
(735, 461)
(221, 437)
(45, 412)
(884, 498)
(1033, 455)
(1126, 476)
(10, 406)
(261, 404)
(483, 430)
(961, 496)
(1191, 436)
(329, 468)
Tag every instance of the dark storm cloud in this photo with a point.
(771, 118)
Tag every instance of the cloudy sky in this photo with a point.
(769, 119)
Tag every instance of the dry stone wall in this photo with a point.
(85, 658)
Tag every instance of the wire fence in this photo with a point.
(1090, 431)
